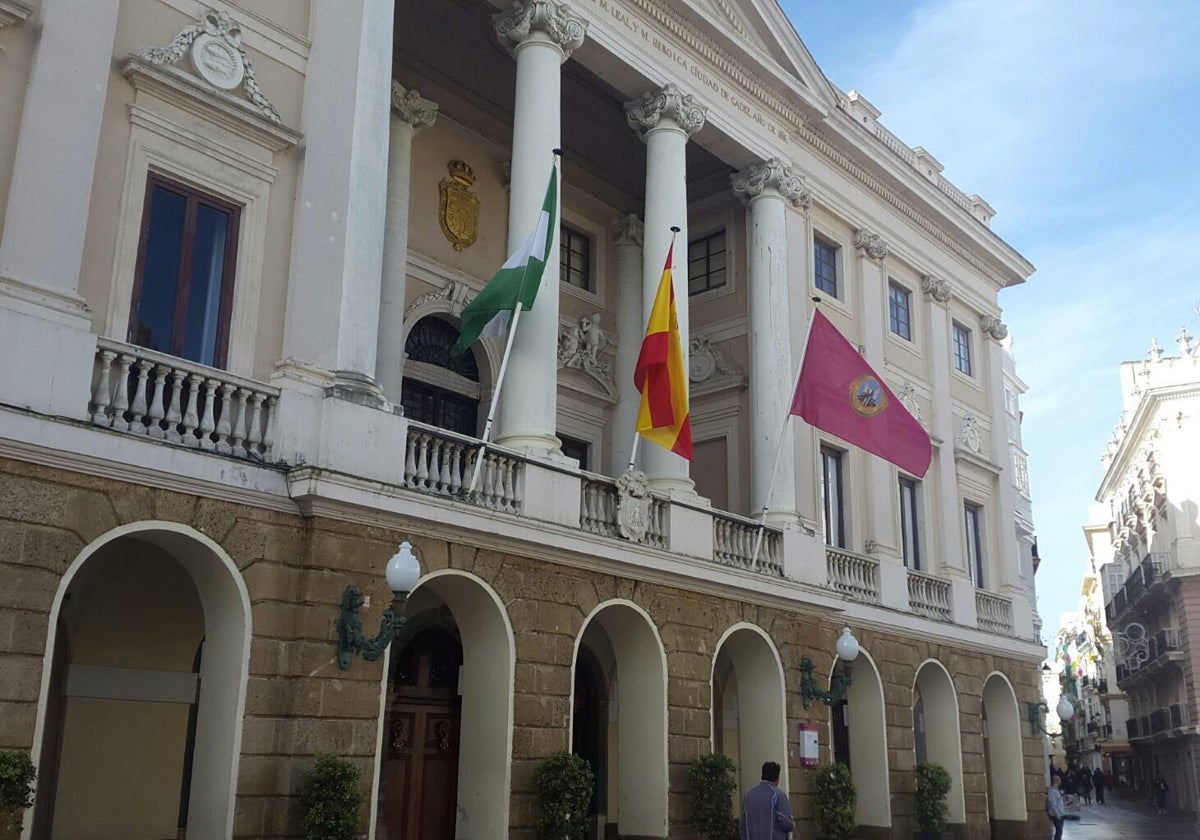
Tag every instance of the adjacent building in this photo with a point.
(237, 241)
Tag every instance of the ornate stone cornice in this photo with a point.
(13, 12)
(937, 288)
(217, 56)
(774, 175)
(871, 244)
(994, 327)
(556, 21)
(410, 107)
(628, 230)
(644, 113)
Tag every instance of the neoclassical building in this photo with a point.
(237, 240)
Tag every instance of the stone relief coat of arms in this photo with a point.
(458, 207)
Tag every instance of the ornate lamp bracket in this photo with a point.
(839, 684)
(351, 639)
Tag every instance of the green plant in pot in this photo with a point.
(16, 789)
(929, 803)
(330, 799)
(712, 781)
(564, 784)
(835, 800)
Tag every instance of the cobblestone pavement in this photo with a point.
(1124, 820)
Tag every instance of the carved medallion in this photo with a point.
(633, 505)
(458, 207)
(218, 62)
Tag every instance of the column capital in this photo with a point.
(870, 243)
(937, 288)
(561, 26)
(993, 326)
(628, 230)
(14, 12)
(771, 176)
(645, 113)
(410, 107)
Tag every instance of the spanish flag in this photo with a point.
(659, 375)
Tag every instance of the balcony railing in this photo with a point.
(1160, 720)
(1133, 728)
(733, 544)
(852, 575)
(441, 463)
(1180, 715)
(146, 393)
(994, 611)
(929, 596)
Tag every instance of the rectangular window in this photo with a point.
(832, 497)
(707, 267)
(825, 263)
(900, 310)
(910, 529)
(973, 515)
(962, 348)
(183, 283)
(577, 449)
(574, 258)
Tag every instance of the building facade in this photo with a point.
(1146, 526)
(237, 241)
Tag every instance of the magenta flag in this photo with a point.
(839, 393)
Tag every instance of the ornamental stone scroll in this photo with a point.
(937, 288)
(646, 112)
(871, 244)
(410, 107)
(771, 174)
(565, 29)
(993, 327)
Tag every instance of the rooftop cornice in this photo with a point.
(1137, 430)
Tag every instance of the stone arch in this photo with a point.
(866, 721)
(224, 605)
(447, 303)
(637, 742)
(486, 689)
(748, 681)
(934, 687)
(1004, 757)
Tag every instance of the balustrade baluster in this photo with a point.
(422, 464)
(120, 403)
(410, 460)
(174, 413)
(254, 427)
(102, 395)
(456, 468)
(225, 423)
(207, 419)
(238, 439)
(269, 434)
(137, 409)
(191, 416)
(157, 411)
(447, 478)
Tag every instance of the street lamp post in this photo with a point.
(839, 683)
(403, 572)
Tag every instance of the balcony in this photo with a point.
(929, 596)
(1142, 663)
(1133, 728)
(1142, 580)
(994, 611)
(853, 575)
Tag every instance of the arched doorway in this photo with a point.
(628, 655)
(1003, 757)
(440, 389)
(445, 764)
(139, 725)
(749, 717)
(936, 732)
(859, 738)
(589, 737)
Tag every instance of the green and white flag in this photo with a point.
(517, 280)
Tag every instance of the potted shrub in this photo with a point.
(329, 799)
(929, 803)
(563, 784)
(711, 783)
(835, 799)
(16, 790)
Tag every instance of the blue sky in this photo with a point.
(1079, 121)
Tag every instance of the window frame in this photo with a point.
(837, 511)
(567, 234)
(913, 510)
(973, 532)
(896, 286)
(709, 289)
(820, 240)
(193, 197)
(963, 351)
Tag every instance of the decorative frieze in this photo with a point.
(582, 345)
(410, 107)
(450, 298)
(993, 327)
(648, 110)
(773, 175)
(707, 362)
(936, 288)
(871, 244)
(970, 437)
(555, 21)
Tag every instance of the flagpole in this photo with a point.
(762, 525)
(487, 426)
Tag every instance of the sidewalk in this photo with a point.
(1129, 820)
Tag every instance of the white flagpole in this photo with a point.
(758, 540)
(487, 426)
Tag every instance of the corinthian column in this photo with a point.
(665, 119)
(768, 188)
(410, 114)
(628, 239)
(541, 35)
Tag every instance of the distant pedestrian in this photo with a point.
(1099, 782)
(1159, 786)
(1085, 787)
(1055, 809)
(766, 812)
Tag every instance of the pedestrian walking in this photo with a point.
(1099, 782)
(1159, 786)
(766, 812)
(1055, 809)
(1085, 786)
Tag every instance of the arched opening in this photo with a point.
(447, 739)
(440, 389)
(625, 652)
(749, 718)
(1003, 757)
(140, 721)
(936, 731)
(859, 739)
(589, 738)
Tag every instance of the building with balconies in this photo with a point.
(1145, 539)
(236, 246)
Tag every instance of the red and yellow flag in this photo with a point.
(659, 375)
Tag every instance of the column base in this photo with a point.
(677, 487)
(358, 388)
(544, 447)
(784, 518)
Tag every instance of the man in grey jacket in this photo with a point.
(766, 812)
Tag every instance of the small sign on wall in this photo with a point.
(810, 745)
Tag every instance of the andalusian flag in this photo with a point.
(517, 280)
(660, 377)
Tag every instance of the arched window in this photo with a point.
(439, 389)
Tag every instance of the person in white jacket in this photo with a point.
(1054, 806)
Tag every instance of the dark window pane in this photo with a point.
(430, 341)
(706, 263)
(204, 292)
(155, 322)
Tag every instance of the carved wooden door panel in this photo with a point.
(421, 772)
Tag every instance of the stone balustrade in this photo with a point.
(853, 575)
(733, 544)
(994, 611)
(441, 462)
(929, 596)
(599, 505)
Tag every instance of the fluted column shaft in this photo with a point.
(666, 119)
(410, 114)
(540, 35)
(628, 240)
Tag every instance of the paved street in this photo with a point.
(1128, 821)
